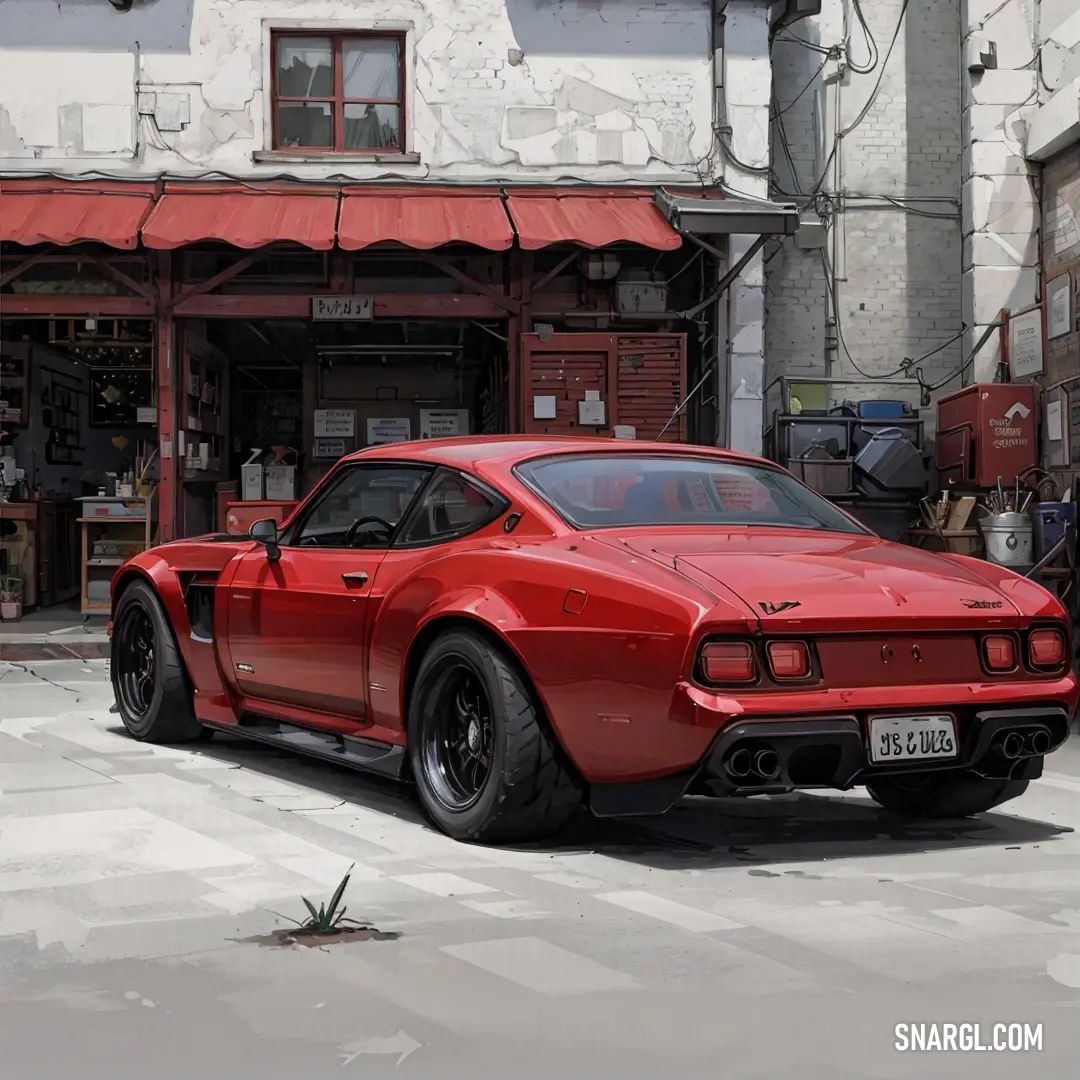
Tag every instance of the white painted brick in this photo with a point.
(902, 296)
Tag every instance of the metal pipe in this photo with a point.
(1039, 743)
(1013, 745)
(767, 764)
(738, 765)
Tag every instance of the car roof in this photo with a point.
(505, 451)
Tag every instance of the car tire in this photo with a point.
(155, 706)
(529, 791)
(943, 795)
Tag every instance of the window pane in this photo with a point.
(452, 506)
(674, 490)
(305, 124)
(372, 127)
(305, 67)
(370, 68)
(384, 493)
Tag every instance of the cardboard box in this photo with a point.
(280, 482)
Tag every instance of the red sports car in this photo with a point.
(526, 626)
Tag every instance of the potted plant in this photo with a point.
(11, 595)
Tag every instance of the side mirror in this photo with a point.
(265, 532)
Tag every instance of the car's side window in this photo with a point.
(450, 507)
(362, 508)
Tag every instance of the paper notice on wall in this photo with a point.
(388, 429)
(1061, 227)
(1054, 429)
(335, 423)
(146, 415)
(544, 407)
(443, 423)
(1058, 306)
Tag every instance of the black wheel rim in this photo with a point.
(458, 737)
(135, 661)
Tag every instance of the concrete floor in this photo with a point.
(786, 936)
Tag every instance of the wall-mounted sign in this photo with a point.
(1058, 307)
(329, 448)
(443, 423)
(342, 308)
(146, 415)
(335, 423)
(544, 407)
(388, 429)
(1026, 344)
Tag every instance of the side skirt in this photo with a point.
(366, 755)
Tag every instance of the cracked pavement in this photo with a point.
(758, 938)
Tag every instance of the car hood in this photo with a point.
(798, 580)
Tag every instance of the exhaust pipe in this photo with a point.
(1039, 743)
(738, 765)
(767, 764)
(1013, 745)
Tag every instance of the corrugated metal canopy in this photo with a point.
(246, 217)
(704, 216)
(592, 219)
(423, 219)
(73, 212)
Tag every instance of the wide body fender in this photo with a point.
(169, 570)
(606, 654)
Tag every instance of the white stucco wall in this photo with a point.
(514, 89)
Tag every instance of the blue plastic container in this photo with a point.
(1050, 520)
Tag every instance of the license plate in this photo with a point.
(912, 738)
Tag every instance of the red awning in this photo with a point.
(245, 217)
(73, 212)
(591, 219)
(423, 219)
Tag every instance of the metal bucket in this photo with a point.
(1008, 539)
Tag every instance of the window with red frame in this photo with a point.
(339, 92)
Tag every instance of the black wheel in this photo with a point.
(484, 764)
(151, 686)
(943, 794)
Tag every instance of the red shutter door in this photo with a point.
(567, 368)
(640, 380)
(652, 384)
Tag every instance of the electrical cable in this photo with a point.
(869, 104)
(795, 100)
(870, 42)
(906, 367)
(756, 170)
(784, 32)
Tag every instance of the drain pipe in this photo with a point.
(717, 18)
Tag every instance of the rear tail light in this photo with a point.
(999, 652)
(728, 662)
(1047, 648)
(789, 659)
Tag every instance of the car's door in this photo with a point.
(297, 625)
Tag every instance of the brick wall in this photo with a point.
(902, 293)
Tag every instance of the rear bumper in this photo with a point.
(831, 752)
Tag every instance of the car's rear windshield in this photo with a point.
(598, 490)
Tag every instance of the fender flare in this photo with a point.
(486, 609)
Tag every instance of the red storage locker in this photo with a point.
(983, 432)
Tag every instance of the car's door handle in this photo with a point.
(357, 577)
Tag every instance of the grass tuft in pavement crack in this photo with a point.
(326, 925)
(325, 920)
